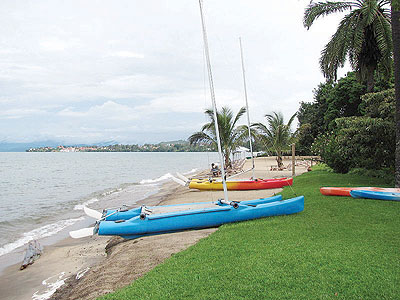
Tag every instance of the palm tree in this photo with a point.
(363, 36)
(230, 135)
(277, 135)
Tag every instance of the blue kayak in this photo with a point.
(375, 195)
(125, 214)
(144, 221)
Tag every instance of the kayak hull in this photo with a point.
(375, 195)
(241, 185)
(196, 219)
(345, 191)
(114, 215)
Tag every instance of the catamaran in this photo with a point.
(143, 221)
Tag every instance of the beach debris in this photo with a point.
(80, 274)
(33, 252)
(51, 284)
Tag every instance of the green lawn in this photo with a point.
(337, 248)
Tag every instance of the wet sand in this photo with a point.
(93, 266)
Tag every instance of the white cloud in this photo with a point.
(19, 113)
(127, 54)
(109, 110)
(57, 44)
(113, 63)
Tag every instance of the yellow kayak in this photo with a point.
(238, 185)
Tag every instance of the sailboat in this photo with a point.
(143, 221)
(237, 185)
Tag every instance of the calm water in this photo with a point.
(41, 194)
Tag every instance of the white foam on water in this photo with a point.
(159, 179)
(114, 191)
(86, 203)
(52, 284)
(44, 231)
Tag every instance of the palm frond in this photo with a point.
(335, 52)
(320, 9)
(363, 36)
(200, 138)
(240, 113)
(289, 123)
(383, 34)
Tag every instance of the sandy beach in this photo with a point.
(94, 266)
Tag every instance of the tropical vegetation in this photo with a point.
(396, 55)
(275, 135)
(369, 36)
(363, 37)
(231, 135)
(347, 128)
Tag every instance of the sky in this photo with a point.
(134, 71)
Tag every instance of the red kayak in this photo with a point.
(345, 191)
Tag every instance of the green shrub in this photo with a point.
(362, 142)
(322, 167)
(326, 146)
(379, 105)
(387, 174)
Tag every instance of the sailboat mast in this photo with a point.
(210, 79)
(247, 106)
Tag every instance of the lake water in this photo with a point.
(42, 194)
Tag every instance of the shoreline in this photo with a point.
(66, 255)
(109, 263)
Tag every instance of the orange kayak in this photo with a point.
(345, 191)
(238, 185)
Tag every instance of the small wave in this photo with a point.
(86, 203)
(52, 284)
(44, 231)
(112, 191)
(159, 179)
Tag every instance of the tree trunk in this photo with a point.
(396, 55)
(279, 160)
(370, 78)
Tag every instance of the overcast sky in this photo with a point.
(133, 71)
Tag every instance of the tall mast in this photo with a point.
(247, 106)
(210, 80)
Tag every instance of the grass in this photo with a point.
(337, 248)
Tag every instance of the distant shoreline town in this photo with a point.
(176, 146)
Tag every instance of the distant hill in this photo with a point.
(21, 147)
(172, 146)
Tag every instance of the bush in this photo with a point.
(365, 142)
(322, 167)
(358, 142)
(379, 105)
(326, 146)
(387, 174)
